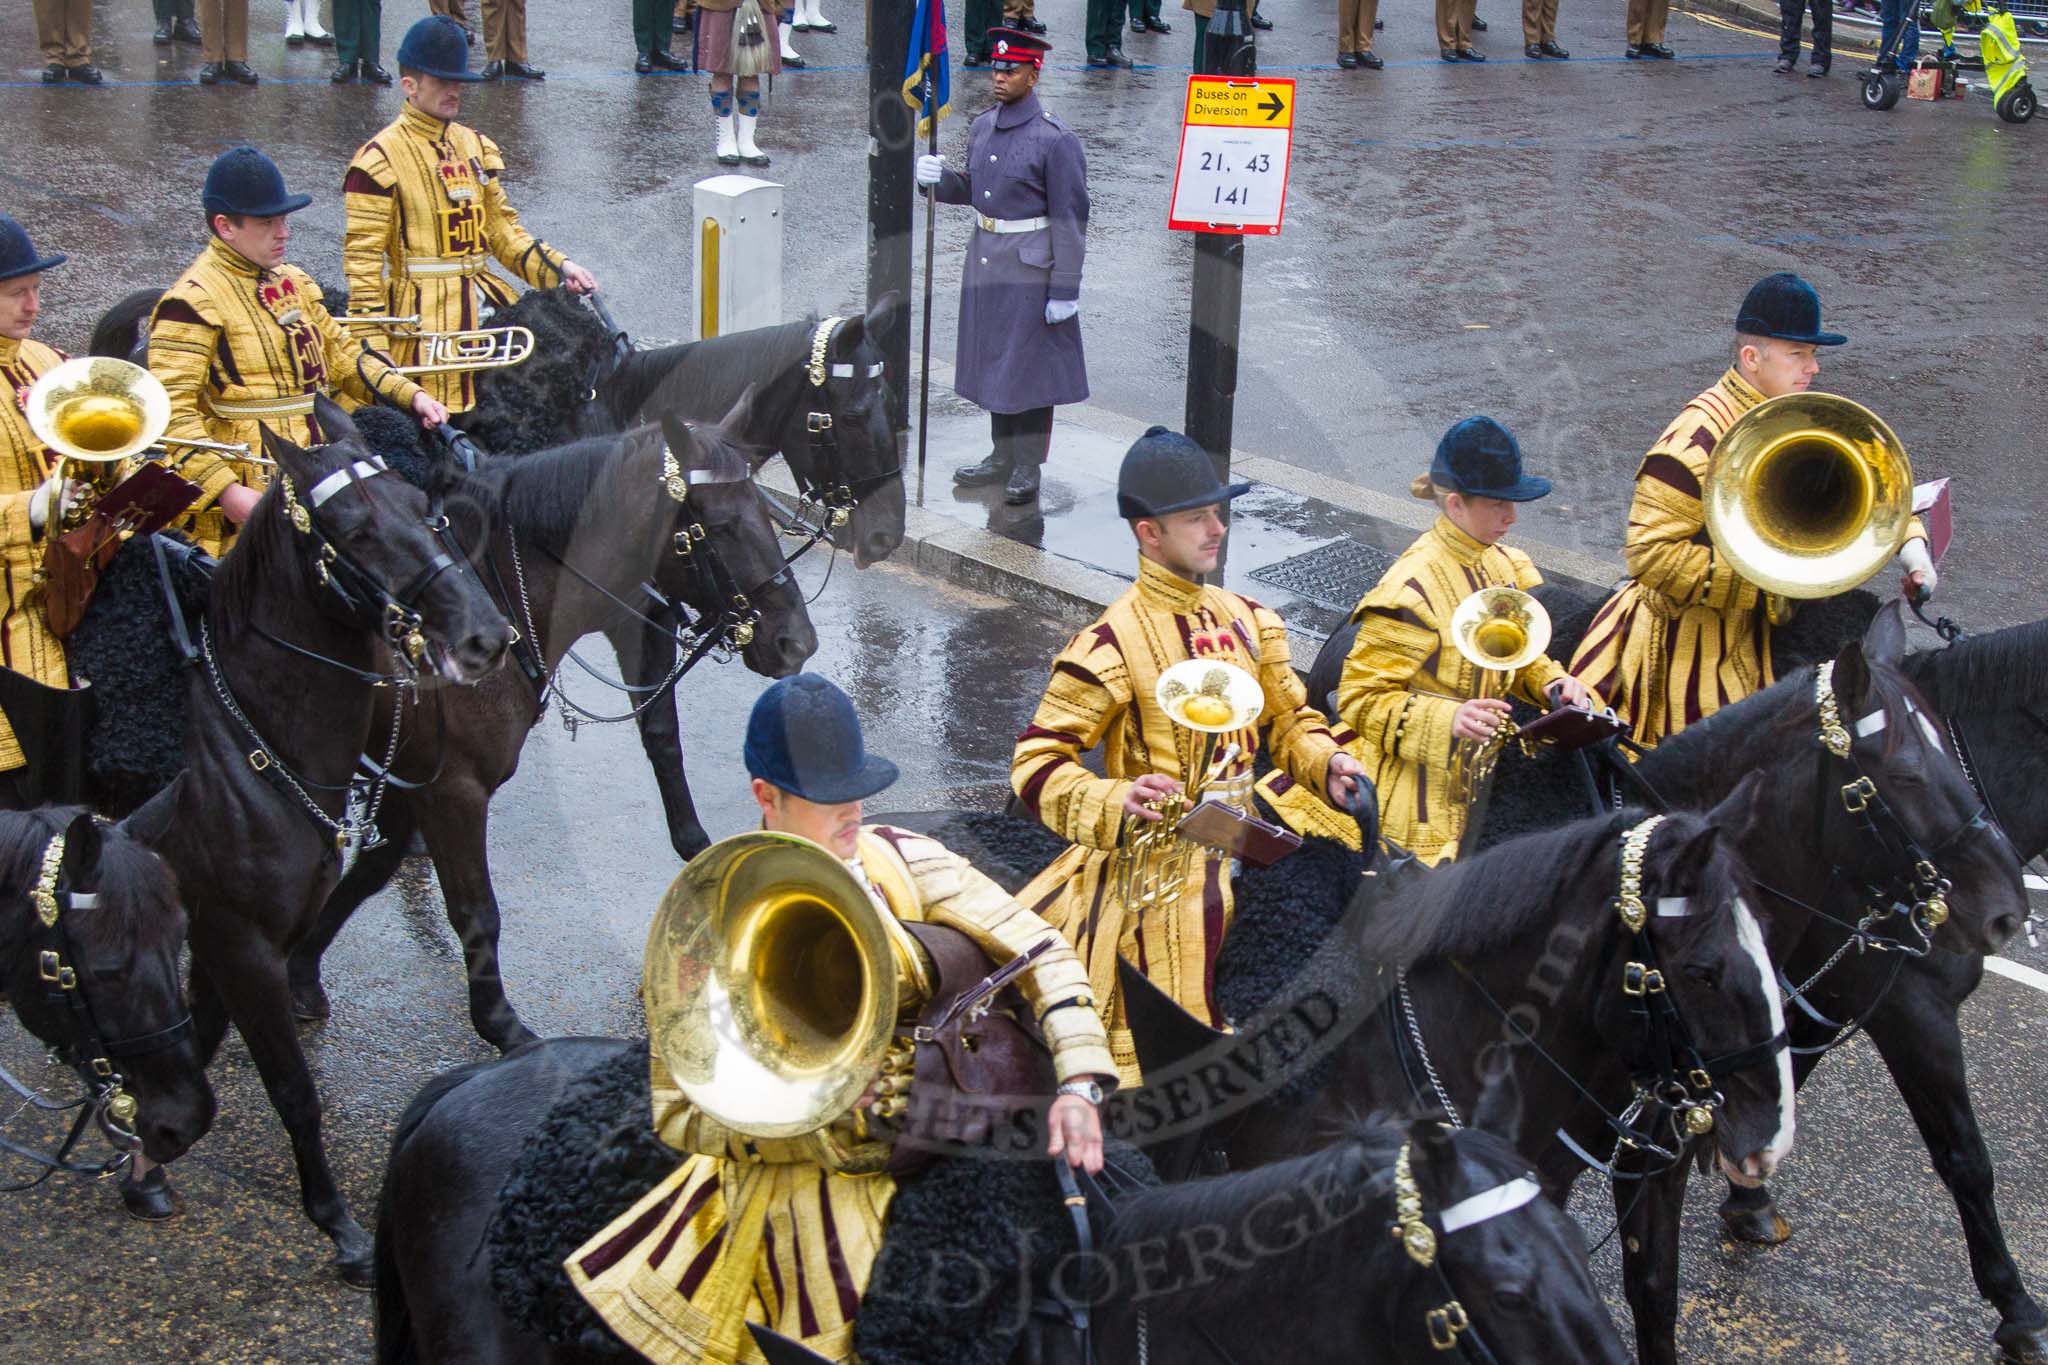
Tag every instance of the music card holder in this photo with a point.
(1571, 727)
(1223, 827)
(146, 501)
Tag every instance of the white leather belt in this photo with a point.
(446, 265)
(287, 405)
(1003, 225)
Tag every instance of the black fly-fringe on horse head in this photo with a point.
(522, 410)
(591, 1159)
(123, 647)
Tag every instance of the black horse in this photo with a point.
(335, 607)
(821, 400)
(578, 530)
(1296, 1254)
(98, 981)
(1993, 686)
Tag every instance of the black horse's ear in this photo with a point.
(1741, 811)
(1885, 640)
(1432, 1159)
(81, 865)
(742, 413)
(1680, 867)
(333, 419)
(1499, 1110)
(148, 825)
(278, 449)
(878, 313)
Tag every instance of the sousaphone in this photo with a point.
(772, 984)
(1809, 494)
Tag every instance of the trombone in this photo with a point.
(481, 348)
(1500, 630)
(101, 412)
(1808, 495)
(1208, 699)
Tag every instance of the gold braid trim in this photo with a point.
(45, 894)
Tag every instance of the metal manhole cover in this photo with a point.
(1335, 575)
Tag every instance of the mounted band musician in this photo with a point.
(1424, 712)
(1104, 691)
(427, 214)
(243, 342)
(29, 491)
(1687, 633)
(779, 1223)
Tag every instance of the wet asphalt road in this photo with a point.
(1561, 245)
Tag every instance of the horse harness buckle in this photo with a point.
(1857, 795)
(50, 967)
(816, 422)
(1639, 980)
(1445, 1323)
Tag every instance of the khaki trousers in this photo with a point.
(224, 29)
(64, 27)
(451, 8)
(1454, 22)
(1646, 20)
(1539, 21)
(1355, 19)
(1013, 10)
(505, 30)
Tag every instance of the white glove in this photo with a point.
(57, 489)
(1058, 311)
(929, 167)
(1913, 558)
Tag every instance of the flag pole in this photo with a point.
(931, 197)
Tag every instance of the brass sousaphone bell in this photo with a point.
(1809, 494)
(772, 984)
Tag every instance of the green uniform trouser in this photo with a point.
(1201, 38)
(1105, 18)
(982, 15)
(358, 30)
(652, 22)
(1144, 9)
(168, 10)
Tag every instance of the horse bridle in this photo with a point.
(1674, 1085)
(834, 501)
(106, 1101)
(1421, 1235)
(365, 600)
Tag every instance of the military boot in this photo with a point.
(1023, 485)
(992, 468)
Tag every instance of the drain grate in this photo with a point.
(1335, 575)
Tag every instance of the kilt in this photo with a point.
(712, 36)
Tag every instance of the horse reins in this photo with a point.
(106, 1101)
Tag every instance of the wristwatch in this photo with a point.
(1085, 1089)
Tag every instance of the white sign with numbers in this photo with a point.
(1235, 139)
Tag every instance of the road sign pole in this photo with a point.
(1217, 296)
(892, 146)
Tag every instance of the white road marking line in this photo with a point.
(2020, 972)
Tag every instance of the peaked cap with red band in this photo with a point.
(1016, 47)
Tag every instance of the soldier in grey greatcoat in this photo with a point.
(1020, 337)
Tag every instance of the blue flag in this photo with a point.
(928, 54)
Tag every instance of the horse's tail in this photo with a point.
(119, 332)
(395, 1345)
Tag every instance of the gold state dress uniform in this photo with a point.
(1685, 635)
(1102, 692)
(1404, 678)
(26, 644)
(785, 1232)
(427, 213)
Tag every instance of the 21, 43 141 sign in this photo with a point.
(1234, 141)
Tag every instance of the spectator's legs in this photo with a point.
(1453, 25)
(1823, 33)
(1201, 38)
(747, 109)
(722, 115)
(504, 23)
(1021, 438)
(1104, 20)
(1790, 14)
(982, 15)
(1539, 21)
(650, 26)
(64, 28)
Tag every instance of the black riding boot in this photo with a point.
(992, 468)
